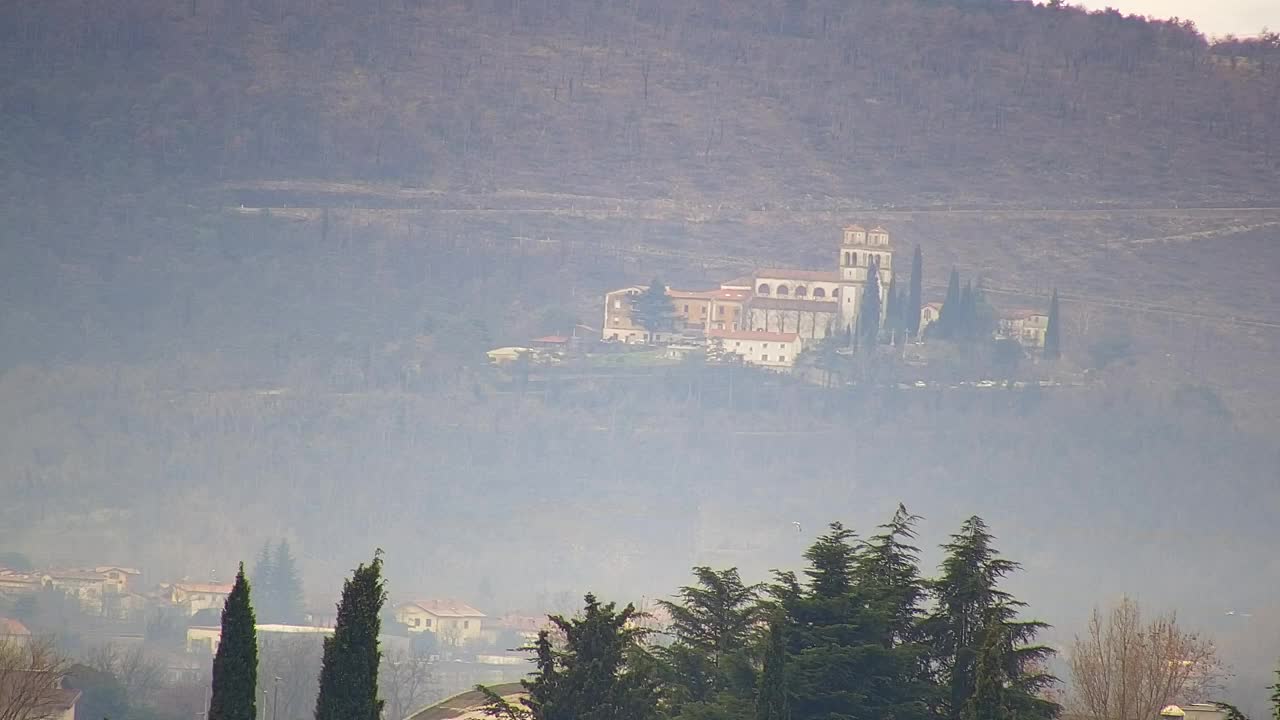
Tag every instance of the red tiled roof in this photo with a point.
(855, 226)
(1021, 314)
(752, 335)
(446, 608)
(788, 274)
(773, 303)
(739, 282)
(552, 340)
(9, 626)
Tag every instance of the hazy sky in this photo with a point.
(1213, 17)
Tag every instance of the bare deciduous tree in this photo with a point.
(31, 672)
(406, 682)
(1126, 669)
(138, 674)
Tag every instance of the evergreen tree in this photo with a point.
(286, 587)
(349, 674)
(888, 571)
(988, 701)
(893, 310)
(869, 309)
(964, 329)
(838, 662)
(1052, 339)
(599, 673)
(235, 664)
(653, 310)
(772, 702)
(916, 298)
(262, 581)
(969, 603)
(712, 623)
(950, 317)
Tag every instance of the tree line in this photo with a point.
(860, 632)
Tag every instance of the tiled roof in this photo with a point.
(9, 626)
(446, 608)
(217, 588)
(788, 274)
(752, 335)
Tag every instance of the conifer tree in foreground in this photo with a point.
(969, 605)
(988, 702)
(349, 675)
(598, 672)
(916, 298)
(1052, 338)
(235, 665)
(709, 663)
(771, 700)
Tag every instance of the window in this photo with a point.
(417, 622)
(466, 624)
(428, 622)
(766, 346)
(783, 291)
(764, 358)
(819, 293)
(763, 289)
(802, 291)
(686, 309)
(782, 358)
(854, 261)
(617, 303)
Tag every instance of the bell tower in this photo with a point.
(859, 250)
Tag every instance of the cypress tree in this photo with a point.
(869, 310)
(893, 309)
(916, 298)
(949, 318)
(771, 700)
(1052, 339)
(235, 664)
(349, 674)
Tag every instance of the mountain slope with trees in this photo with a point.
(892, 101)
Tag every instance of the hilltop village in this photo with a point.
(772, 316)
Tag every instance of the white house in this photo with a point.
(453, 622)
(775, 350)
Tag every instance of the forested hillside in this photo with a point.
(890, 101)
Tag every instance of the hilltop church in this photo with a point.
(810, 304)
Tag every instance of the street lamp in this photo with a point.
(275, 697)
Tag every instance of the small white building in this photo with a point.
(194, 597)
(774, 350)
(452, 622)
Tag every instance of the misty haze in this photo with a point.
(653, 360)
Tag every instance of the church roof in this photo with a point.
(855, 227)
(807, 275)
